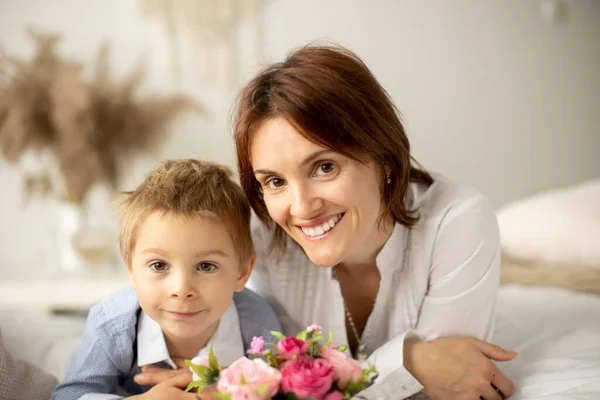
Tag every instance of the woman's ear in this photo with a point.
(245, 272)
(387, 170)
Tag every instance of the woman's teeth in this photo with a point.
(324, 227)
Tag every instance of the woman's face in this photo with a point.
(328, 203)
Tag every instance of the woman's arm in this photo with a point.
(465, 274)
(460, 301)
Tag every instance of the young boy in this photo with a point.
(185, 236)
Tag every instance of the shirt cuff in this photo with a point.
(394, 381)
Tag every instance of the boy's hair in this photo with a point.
(189, 188)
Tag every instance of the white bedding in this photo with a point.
(556, 332)
(557, 335)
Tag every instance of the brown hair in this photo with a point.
(332, 98)
(190, 188)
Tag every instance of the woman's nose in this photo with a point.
(305, 202)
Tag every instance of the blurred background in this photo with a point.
(504, 95)
(500, 94)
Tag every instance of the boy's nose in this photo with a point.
(182, 287)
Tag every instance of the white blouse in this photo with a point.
(439, 278)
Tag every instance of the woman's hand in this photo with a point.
(459, 368)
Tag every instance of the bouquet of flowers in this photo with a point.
(293, 368)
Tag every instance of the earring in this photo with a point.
(389, 180)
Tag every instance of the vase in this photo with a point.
(86, 239)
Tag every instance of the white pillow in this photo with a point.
(560, 226)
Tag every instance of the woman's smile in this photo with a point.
(321, 228)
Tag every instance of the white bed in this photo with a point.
(556, 332)
(557, 335)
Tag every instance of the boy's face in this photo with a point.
(185, 270)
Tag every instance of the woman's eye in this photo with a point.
(159, 266)
(207, 267)
(325, 168)
(275, 183)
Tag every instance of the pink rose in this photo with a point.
(345, 368)
(307, 377)
(257, 346)
(199, 360)
(245, 393)
(257, 374)
(314, 328)
(334, 396)
(292, 346)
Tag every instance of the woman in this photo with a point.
(356, 238)
(326, 165)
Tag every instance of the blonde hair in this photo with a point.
(189, 188)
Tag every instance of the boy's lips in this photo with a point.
(184, 315)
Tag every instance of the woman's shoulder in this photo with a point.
(446, 197)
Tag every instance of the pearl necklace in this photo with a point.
(361, 349)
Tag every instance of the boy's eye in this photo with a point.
(275, 183)
(207, 267)
(325, 168)
(159, 266)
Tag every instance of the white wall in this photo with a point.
(490, 91)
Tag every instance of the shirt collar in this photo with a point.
(226, 341)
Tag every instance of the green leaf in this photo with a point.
(222, 396)
(272, 361)
(341, 348)
(369, 374)
(200, 370)
(213, 378)
(195, 384)
(317, 339)
(302, 335)
(212, 360)
(330, 340)
(278, 335)
(366, 380)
